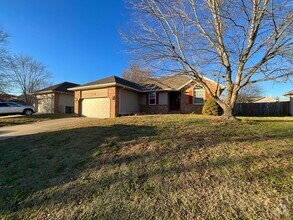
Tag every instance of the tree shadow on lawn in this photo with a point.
(4, 131)
(51, 116)
(33, 163)
(56, 161)
(268, 119)
(128, 183)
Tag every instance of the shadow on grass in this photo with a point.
(36, 162)
(138, 180)
(258, 119)
(53, 116)
(4, 132)
(57, 161)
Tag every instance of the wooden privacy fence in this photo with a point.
(262, 109)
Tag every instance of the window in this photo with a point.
(152, 98)
(11, 104)
(198, 96)
(3, 105)
(69, 109)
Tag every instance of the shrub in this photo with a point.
(212, 108)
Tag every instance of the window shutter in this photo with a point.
(190, 96)
(207, 95)
(157, 98)
(147, 98)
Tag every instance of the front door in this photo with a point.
(174, 101)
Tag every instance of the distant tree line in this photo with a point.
(136, 73)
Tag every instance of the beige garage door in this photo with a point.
(97, 108)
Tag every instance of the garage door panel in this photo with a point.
(96, 107)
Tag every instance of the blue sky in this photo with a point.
(78, 40)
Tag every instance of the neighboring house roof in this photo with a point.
(168, 83)
(62, 87)
(5, 96)
(289, 93)
(261, 99)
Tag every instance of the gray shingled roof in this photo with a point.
(175, 82)
(62, 87)
(166, 83)
(115, 79)
(162, 83)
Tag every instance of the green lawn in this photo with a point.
(17, 120)
(151, 167)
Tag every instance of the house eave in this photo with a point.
(205, 78)
(128, 87)
(192, 80)
(43, 92)
(100, 86)
(51, 91)
(160, 90)
(97, 86)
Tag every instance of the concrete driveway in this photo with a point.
(40, 127)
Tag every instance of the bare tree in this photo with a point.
(249, 91)
(3, 60)
(136, 74)
(235, 43)
(27, 75)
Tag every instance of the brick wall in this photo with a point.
(187, 105)
(113, 94)
(56, 103)
(154, 109)
(77, 103)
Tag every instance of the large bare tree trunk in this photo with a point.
(228, 113)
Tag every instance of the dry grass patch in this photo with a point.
(163, 167)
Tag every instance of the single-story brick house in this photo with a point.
(113, 96)
(55, 99)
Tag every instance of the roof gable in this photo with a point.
(166, 83)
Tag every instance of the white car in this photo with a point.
(11, 108)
